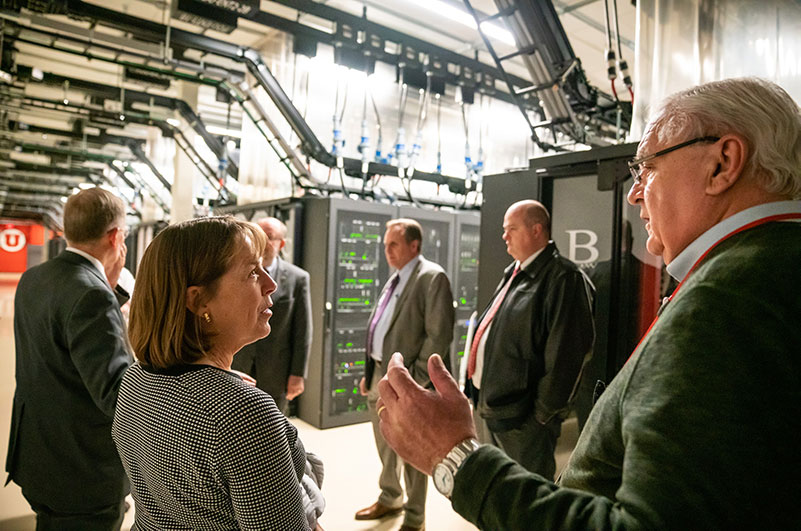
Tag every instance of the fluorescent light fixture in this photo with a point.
(174, 122)
(215, 130)
(85, 186)
(463, 17)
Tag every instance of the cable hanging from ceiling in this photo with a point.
(622, 65)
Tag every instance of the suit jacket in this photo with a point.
(422, 323)
(71, 353)
(538, 343)
(286, 350)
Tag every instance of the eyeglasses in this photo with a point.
(634, 165)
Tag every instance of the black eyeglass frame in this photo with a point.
(636, 173)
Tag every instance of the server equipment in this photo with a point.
(344, 254)
(345, 259)
(464, 281)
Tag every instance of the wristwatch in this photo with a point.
(446, 469)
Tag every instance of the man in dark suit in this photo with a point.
(278, 362)
(71, 352)
(414, 316)
(531, 343)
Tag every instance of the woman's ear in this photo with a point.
(194, 299)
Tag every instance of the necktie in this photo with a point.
(387, 295)
(471, 361)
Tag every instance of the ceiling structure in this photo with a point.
(87, 83)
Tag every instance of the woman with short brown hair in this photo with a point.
(204, 449)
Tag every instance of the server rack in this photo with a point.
(464, 281)
(344, 256)
(593, 226)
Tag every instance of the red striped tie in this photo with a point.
(471, 361)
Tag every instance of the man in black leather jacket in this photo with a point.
(531, 343)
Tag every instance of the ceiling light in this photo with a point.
(222, 131)
(462, 17)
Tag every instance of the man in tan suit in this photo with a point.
(414, 316)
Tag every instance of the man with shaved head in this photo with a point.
(531, 343)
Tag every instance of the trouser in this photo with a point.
(389, 480)
(531, 444)
(108, 518)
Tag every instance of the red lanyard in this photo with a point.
(755, 223)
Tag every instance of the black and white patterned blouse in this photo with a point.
(204, 450)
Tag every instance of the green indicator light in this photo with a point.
(359, 362)
(356, 235)
(353, 253)
(463, 300)
(372, 236)
(364, 257)
(349, 281)
(460, 353)
(365, 281)
(349, 299)
(339, 391)
(348, 344)
(367, 302)
(355, 391)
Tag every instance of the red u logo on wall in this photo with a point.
(12, 240)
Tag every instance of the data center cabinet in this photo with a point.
(344, 254)
(464, 281)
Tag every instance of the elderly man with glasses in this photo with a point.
(696, 431)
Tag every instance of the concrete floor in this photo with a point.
(351, 462)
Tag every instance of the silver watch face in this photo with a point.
(443, 479)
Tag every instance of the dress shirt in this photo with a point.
(681, 265)
(95, 262)
(383, 323)
(483, 343)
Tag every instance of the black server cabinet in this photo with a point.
(464, 281)
(593, 226)
(344, 255)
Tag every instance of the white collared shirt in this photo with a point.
(681, 265)
(482, 344)
(95, 262)
(382, 327)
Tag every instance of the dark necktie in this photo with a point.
(471, 361)
(385, 298)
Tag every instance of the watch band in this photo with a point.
(459, 453)
(445, 471)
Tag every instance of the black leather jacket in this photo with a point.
(539, 342)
